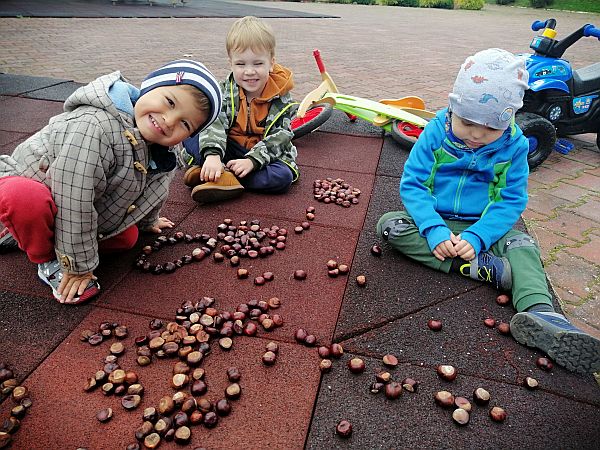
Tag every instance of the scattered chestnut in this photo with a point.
(410, 384)
(337, 350)
(498, 414)
(300, 335)
(503, 299)
(152, 440)
(233, 391)
(461, 402)
(460, 416)
(489, 322)
(269, 358)
(272, 347)
(376, 250)
(223, 407)
(183, 435)
(376, 387)
(361, 280)
(300, 275)
(274, 303)
(544, 363)
(481, 396)
(390, 360)
(434, 325)
(530, 383)
(344, 429)
(104, 415)
(343, 269)
(356, 365)
(325, 365)
(242, 273)
(211, 419)
(444, 399)
(324, 351)
(504, 328)
(393, 390)
(446, 372)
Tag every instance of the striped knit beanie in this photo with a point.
(489, 88)
(187, 71)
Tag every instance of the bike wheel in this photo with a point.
(541, 135)
(405, 134)
(313, 119)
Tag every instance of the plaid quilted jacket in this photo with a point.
(275, 144)
(95, 163)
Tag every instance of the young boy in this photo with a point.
(252, 135)
(465, 185)
(98, 171)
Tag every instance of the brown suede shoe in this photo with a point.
(192, 176)
(225, 188)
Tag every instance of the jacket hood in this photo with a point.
(96, 94)
(280, 82)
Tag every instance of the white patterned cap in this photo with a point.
(489, 88)
(193, 73)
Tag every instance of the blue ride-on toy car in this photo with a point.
(560, 101)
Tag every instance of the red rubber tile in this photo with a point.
(313, 303)
(24, 115)
(339, 152)
(275, 405)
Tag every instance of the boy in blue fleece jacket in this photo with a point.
(464, 187)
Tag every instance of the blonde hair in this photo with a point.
(250, 33)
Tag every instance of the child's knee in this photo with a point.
(520, 241)
(392, 225)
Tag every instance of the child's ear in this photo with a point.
(272, 64)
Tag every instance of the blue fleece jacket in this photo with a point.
(444, 179)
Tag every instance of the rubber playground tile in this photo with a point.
(32, 327)
(24, 115)
(467, 344)
(291, 205)
(9, 141)
(313, 303)
(393, 157)
(57, 93)
(20, 84)
(536, 419)
(275, 405)
(339, 152)
(396, 287)
(340, 123)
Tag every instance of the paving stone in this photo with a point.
(571, 272)
(281, 396)
(590, 210)
(544, 204)
(588, 251)
(414, 421)
(568, 224)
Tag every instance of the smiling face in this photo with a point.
(251, 70)
(168, 114)
(473, 134)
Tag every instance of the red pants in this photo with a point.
(27, 209)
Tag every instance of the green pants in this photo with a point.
(529, 285)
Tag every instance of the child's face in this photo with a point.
(251, 70)
(167, 115)
(473, 134)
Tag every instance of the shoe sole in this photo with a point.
(87, 295)
(578, 352)
(213, 195)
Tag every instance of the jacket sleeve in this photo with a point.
(213, 140)
(414, 191)
(157, 183)
(77, 176)
(509, 202)
(278, 142)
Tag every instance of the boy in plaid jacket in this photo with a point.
(98, 171)
(250, 144)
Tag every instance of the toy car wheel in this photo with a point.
(405, 134)
(313, 119)
(541, 135)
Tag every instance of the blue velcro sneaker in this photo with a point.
(552, 333)
(493, 269)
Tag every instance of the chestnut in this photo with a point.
(343, 429)
(410, 384)
(300, 275)
(298, 230)
(383, 377)
(444, 399)
(104, 415)
(356, 365)
(530, 383)
(272, 347)
(324, 352)
(233, 374)
(233, 391)
(300, 335)
(269, 358)
(544, 363)
(376, 387)
(361, 280)
(376, 250)
(274, 303)
(242, 273)
(446, 372)
(503, 299)
(461, 402)
(259, 281)
(481, 396)
(183, 435)
(434, 324)
(210, 419)
(504, 328)
(498, 414)
(460, 416)
(325, 365)
(310, 340)
(343, 269)
(390, 360)
(131, 401)
(152, 440)
(223, 407)
(393, 390)
(337, 350)
(332, 264)
(489, 322)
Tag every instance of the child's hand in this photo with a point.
(212, 168)
(464, 250)
(241, 167)
(73, 284)
(444, 250)
(159, 225)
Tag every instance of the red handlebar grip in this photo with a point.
(319, 61)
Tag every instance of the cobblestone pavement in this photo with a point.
(371, 51)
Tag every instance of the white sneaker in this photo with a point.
(51, 274)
